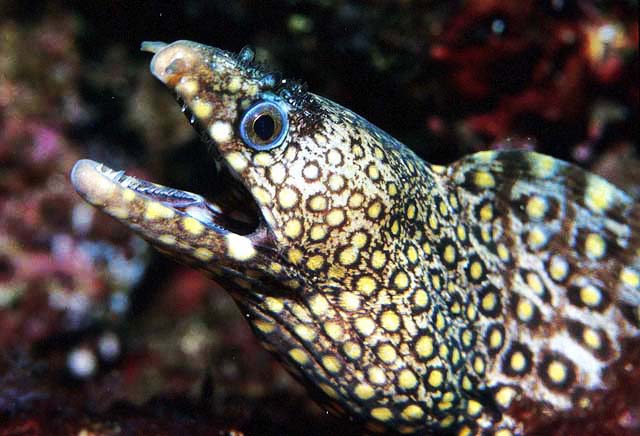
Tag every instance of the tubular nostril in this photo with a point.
(173, 59)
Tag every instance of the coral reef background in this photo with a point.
(100, 334)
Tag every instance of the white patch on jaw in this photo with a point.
(221, 132)
(239, 247)
(199, 213)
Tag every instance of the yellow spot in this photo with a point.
(365, 325)
(630, 278)
(503, 432)
(328, 390)
(557, 372)
(359, 239)
(203, 254)
(591, 338)
(525, 310)
(318, 232)
(435, 378)
(387, 353)
(352, 350)
(201, 109)
(489, 301)
(594, 246)
(335, 217)
(401, 280)
(299, 355)
(461, 232)
(433, 221)
(263, 159)
(221, 132)
(373, 172)
(349, 301)
(336, 272)
(117, 212)
(542, 166)
(395, 227)
(535, 283)
(440, 322)
(318, 203)
(503, 252)
(486, 213)
(348, 256)
(156, 211)
(366, 285)
(364, 391)
(319, 305)
(558, 268)
(287, 198)
(420, 298)
(374, 210)
(411, 211)
(424, 346)
(192, 226)
(314, 263)
(239, 247)
(476, 270)
(305, 332)
(599, 194)
(311, 171)
(518, 361)
(536, 238)
(444, 210)
(412, 413)
(392, 189)
(187, 87)
(236, 161)
(536, 207)
(167, 239)
(274, 305)
(505, 395)
(128, 195)
(378, 259)
(334, 157)
(484, 179)
(275, 267)
(261, 195)
(495, 339)
(590, 295)
(412, 254)
(407, 379)
(356, 200)
(381, 413)
(465, 431)
(234, 85)
(376, 375)
(449, 253)
(264, 326)
(336, 182)
(331, 364)
(334, 330)
(478, 365)
(293, 228)
(295, 255)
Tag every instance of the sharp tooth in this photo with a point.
(199, 213)
(118, 176)
(214, 207)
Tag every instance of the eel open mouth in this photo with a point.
(229, 207)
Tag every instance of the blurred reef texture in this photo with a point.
(100, 335)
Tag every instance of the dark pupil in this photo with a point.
(264, 127)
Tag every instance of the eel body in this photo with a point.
(464, 299)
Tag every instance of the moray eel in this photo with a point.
(416, 298)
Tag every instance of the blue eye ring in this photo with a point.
(264, 125)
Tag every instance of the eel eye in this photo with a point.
(264, 125)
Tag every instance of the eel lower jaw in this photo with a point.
(112, 191)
